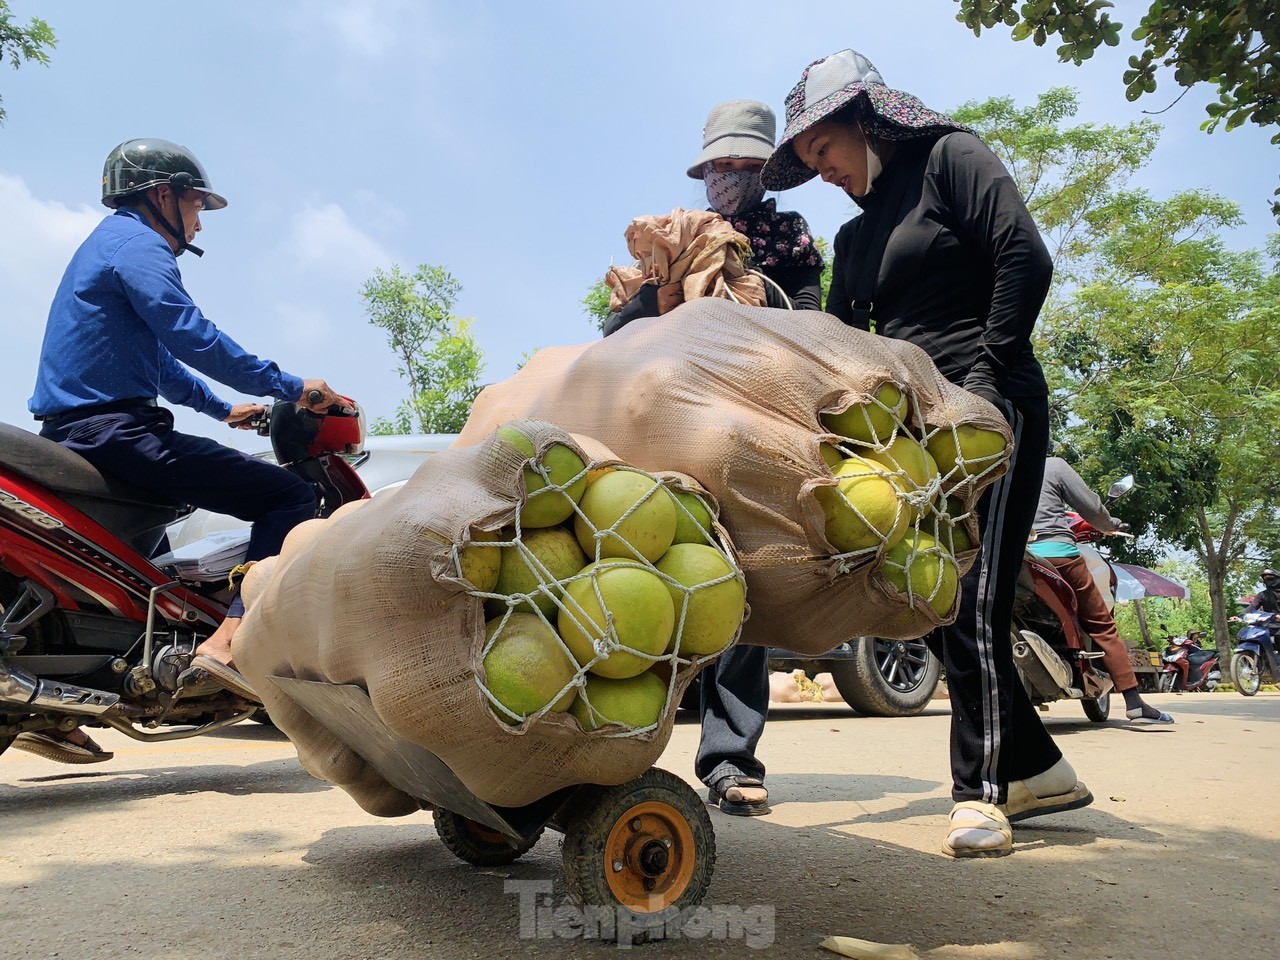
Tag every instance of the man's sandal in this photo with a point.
(728, 795)
(981, 831)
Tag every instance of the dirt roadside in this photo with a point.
(222, 847)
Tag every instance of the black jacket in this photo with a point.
(964, 271)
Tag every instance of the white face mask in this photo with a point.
(873, 163)
(732, 192)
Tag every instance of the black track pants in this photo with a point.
(996, 733)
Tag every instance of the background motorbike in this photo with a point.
(95, 627)
(1187, 665)
(1054, 654)
(1254, 657)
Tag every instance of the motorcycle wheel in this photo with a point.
(887, 678)
(1097, 709)
(1168, 682)
(1244, 673)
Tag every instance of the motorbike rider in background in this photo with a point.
(1266, 600)
(1063, 490)
(120, 329)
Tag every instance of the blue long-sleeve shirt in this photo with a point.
(122, 325)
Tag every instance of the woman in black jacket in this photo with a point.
(946, 256)
(736, 141)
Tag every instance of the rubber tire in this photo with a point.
(587, 829)
(864, 687)
(1097, 709)
(1168, 682)
(1235, 679)
(459, 836)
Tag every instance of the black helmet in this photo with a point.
(1270, 578)
(136, 165)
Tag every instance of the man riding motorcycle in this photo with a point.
(1063, 489)
(1268, 598)
(120, 329)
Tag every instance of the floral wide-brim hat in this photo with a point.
(832, 83)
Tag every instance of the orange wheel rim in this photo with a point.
(483, 833)
(649, 857)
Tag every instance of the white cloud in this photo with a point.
(38, 239)
(325, 239)
(367, 28)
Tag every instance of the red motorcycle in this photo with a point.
(1054, 655)
(1187, 665)
(94, 628)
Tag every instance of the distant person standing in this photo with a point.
(736, 140)
(1063, 490)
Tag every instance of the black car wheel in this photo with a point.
(887, 678)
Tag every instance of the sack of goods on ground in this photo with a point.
(530, 610)
(846, 467)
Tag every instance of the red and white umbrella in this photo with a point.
(1137, 583)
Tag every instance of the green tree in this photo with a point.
(436, 353)
(596, 304)
(1234, 44)
(1168, 360)
(1063, 170)
(21, 45)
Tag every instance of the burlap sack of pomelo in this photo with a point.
(846, 467)
(529, 609)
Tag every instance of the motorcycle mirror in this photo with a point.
(1122, 487)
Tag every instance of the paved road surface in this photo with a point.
(222, 847)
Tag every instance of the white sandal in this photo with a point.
(984, 832)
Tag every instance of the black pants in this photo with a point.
(996, 734)
(735, 704)
(140, 446)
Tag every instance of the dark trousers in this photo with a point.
(735, 703)
(140, 446)
(996, 733)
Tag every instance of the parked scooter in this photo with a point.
(1187, 665)
(92, 629)
(1255, 655)
(1054, 655)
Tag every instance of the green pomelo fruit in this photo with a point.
(919, 565)
(547, 506)
(634, 702)
(714, 613)
(481, 564)
(884, 516)
(831, 454)
(638, 603)
(695, 528)
(906, 456)
(869, 422)
(967, 450)
(647, 531)
(960, 541)
(556, 549)
(527, 668)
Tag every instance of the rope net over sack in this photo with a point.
(846, 467)
(529, 610)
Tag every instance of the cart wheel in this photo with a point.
(644, 850)
(476, 843)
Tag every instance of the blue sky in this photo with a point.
(510, 142)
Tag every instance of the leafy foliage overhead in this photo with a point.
(1232, 43)
(21, 45)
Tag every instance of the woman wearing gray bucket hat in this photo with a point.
(736, 141)
(946, 255)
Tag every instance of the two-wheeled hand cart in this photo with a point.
(644, 850)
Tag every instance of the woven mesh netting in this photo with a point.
(530, 610)
(846, 468)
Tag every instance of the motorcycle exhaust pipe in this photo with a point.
(21, 689)
(1036, 672)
